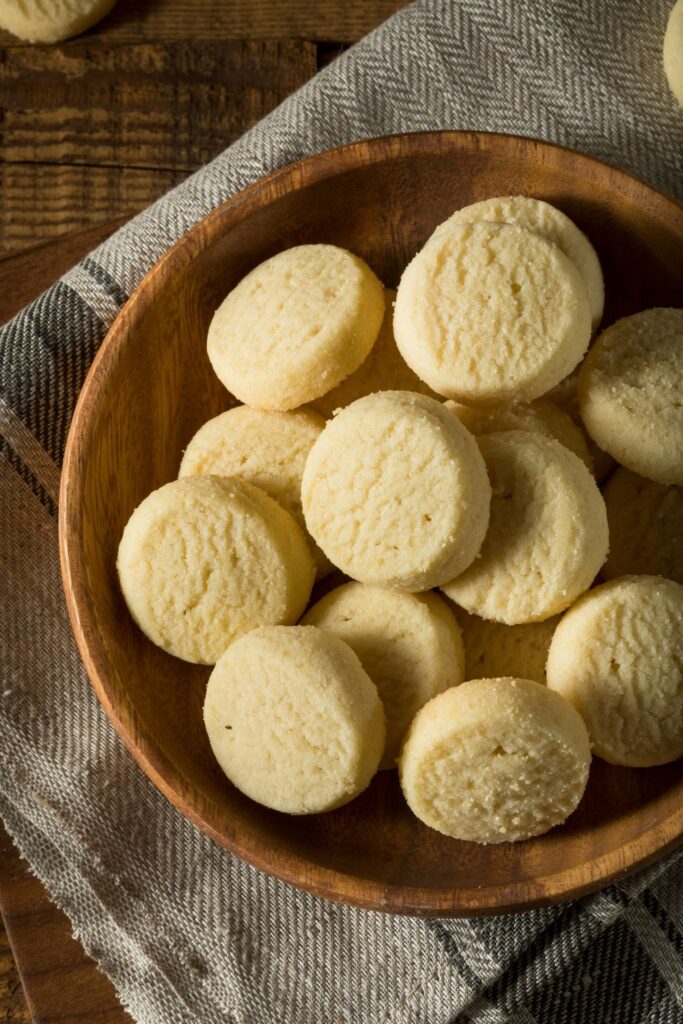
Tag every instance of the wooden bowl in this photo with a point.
(150, 388)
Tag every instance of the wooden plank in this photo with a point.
(61, 984)
(13, 1008)
(207, 20)
(90, 133)
(39, 201)
(26, 274)
(167, 106)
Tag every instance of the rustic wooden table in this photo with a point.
(91, 131)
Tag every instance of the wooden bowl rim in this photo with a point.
(564, 884)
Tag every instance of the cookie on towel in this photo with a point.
(409, 644)
(203, 560)
(296, 326)
(395, 492)
(293, 719)
(490, 313)
(616, 655)
(263, 447)
(548, 533)
(673, 51)
(495, 761)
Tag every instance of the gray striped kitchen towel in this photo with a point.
(187, 932)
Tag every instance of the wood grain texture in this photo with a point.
(141, 404)
(92, 132)
(205, 20)
(160, 106)
(62, 984)
(24, 275)
(13, 1008)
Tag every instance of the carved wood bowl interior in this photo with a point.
(151, 387)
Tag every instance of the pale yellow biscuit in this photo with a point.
(549, 222)
(672, 53)
(293, 719)
(263, 447)
(409, 644)
(548, 533)
(566, 396)
(395, 492)
(542, 416)
(493, 649)
(645, 527)
(616, 655)
(296, 326)
(203, 560)
(495, 761)
(385, 369)
(490, 313)
(49, 21)
(630, 389)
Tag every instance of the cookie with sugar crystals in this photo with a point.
(547, 537)
(630, 388)
(263, 447)
(395, 492)
(548, 222)
(495, 761)
(493, 649)
(616, 656)
(409, 644)
(203, 560)
(490, 313)
(645, 527)
(296, 326)
(385, 369)
(542, 416)
(293, 719)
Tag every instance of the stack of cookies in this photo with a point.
(443, 448)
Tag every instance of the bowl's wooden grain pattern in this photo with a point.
(149, 389)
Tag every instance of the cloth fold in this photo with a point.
(186, 931)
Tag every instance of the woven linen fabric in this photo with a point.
(187, 932)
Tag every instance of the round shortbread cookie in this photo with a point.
(490, 313)
(205, 559)
(541, 416)
(294, 720)
(263, 447)
(385, 369)
(395, 492)
(493, 649)
(409, 644)
(548, 533)
(296, 326)
(630, 389)
(673, 51)
(550, 223)
(616, 655)
(645, 527)
(566, 396)
(495, 761)
(50, 21)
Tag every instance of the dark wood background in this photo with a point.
(91, 132)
